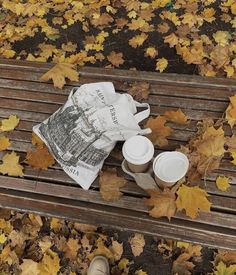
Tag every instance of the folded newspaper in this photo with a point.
(82, 133)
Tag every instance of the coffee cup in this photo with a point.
(138, 151)
(170, 167)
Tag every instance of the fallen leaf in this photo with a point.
(222, 183)
(50, 264)
(140, 272)
(163, 203)
(161, 64)
(40, 158)
(17, 238)
(171, 39)
(230, 112)
(139, 90)
(101, 250)
(138, 40)
(71, 249)
(226, 256)
(160, 132)
(11, 165)
(60, 72)
(85, 227)
(3, 238)
(192, 199)
(221, 37)
(163, 28)
(124, 265)
(29, 267)
(233, 155)
(151, 52)
(110, 185)
(56, 224)
(4, 143)
(102, 20)
(36, 140)
(176, 116)
(116, 59)
(117, 249)
(137, 243)
(9, 124)
(222, 269)
(182, 265)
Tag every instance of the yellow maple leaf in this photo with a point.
(160, 131)
(222, 269)
(176, 116)
(110, 185)
(171, 39)
(59, 73)
(222, 183)
(11, 165)
(140, 272)
(137, 243)
(233, 155)
(138, 40)
(161, 64)
(4, 143)
(233, 8)
(229, 70)
(163, 203)
(29, 267)
(49, 264)
(101, 250)
(221, 37)
(230, 112)
(192, 199)
(9, 124)
(151, 52)
(117, 249)
(3, 238)
(208, 14)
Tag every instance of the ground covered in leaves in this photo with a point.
(34, 245)
(181, 36)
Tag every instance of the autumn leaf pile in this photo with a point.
(199, 32)
(35, 245)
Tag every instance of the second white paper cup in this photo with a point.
(170, 167)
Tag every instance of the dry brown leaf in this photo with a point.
(163, 28)
(226, 256)
(138, 40)
(110, 185)
(11, 165)
(102, 20)
(192, 199)
(137, 244)
(160, 132)
(116, 59)
(163, 203)
(40, 158)
(176, 116)
(182, 265)
(139, 90)
(59, 73)
(4, 143)
(230, 112)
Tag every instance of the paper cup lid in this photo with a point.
(170, 166)
(138, 150)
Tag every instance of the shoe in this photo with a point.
(99, 266)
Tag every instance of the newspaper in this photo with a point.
(82, 133)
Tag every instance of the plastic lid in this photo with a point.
(138, 150)
(171, 166)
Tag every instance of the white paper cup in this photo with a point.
(138, 151)
(170, 167)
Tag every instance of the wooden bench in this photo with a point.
(52, 192)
